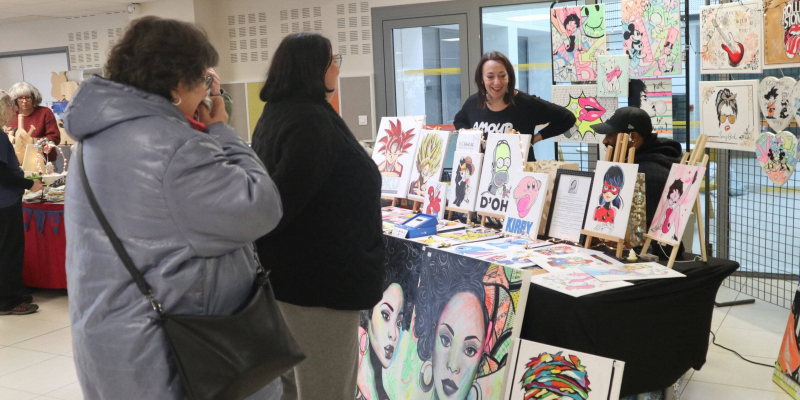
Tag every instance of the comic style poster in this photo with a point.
(654, 96)
(589, 109)
(652, 37)
(395, 149)
(729, 114)
(578, 36)
(677, 200)
(528, 191)
(428, 162)
(610, 198)
(464, 180)
(612, 72)
(502, 156)
(781, 34)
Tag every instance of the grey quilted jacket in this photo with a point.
(186, 205)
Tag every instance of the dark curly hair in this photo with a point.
(298, 68)
(445, 276)
(157, 54)
(407, 279)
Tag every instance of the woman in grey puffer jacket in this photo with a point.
(185, 197)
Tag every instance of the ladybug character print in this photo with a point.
(610, 201)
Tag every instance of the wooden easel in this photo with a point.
(451, 210)
(619, 153)
(694, 158)
(484, 215)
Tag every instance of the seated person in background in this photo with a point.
(654, 155)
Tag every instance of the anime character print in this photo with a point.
(465, 171)
(429, 158)
(610, 200)
(525, 195)
(502, 161)
(392, 147)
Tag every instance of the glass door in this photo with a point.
(425, 63)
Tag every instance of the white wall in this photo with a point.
(182, 10)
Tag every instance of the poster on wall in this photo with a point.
(613, 76)
(654, 96)
(677, 200)
(524, 214)
(732, 38)
(652, 38)
(428, 162)
(781, 34)
(542, 371)
(610, 199)
(729, 114)
(588, 108)
(775, 100)
(453, 338)
(395, 149)
(464, 180)
(501, 157)
(578, 37)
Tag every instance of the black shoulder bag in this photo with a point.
(218, 357)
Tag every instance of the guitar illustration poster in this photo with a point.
(652, 39)
(781, 34)
(729, 114)
(732, 38)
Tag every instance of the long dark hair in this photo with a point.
(512, 79)
(298, 68)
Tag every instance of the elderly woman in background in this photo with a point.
(12, 234)
(186, 197)
(39, 122)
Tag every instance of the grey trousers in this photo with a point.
(329, 339)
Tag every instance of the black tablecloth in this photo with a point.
(658, 327)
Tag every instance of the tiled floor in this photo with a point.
(36, 353)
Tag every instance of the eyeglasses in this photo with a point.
(337, 60)
(209, 81)
(24, 98)
(731, 118)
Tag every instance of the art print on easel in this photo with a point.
(502, 157)
(464, 180)
(395, 148)
(469, 140)
(729, 114)
(777, 155)
(435, 198)
(578, 37)
(677, 200)
(588, 108)
(652, 39)
(609, 203)
(781, 34)
(732, 38)
(428, 162)
(544, 372)
(528, 194)
(654, 96)
(613, 76)
(568, 208)
(776, 101)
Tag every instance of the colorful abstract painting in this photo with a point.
(632, 272)
(578, 37)
(654, 96)
(443, 329)
(395, 152)
(610, 199)
(776, 101)
(729, 114)
(652, 37)
(588, 108)
(547, 372)
(677, 200)
(777, 155)
(428, 162)
(464, 179)
(612, 72)
(504, 153)
(787, 368)
(528, 191)
(732, 38)
(575, 283)
(781, 34)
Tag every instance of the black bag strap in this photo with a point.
(141, 283)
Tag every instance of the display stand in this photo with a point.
(489, 215)
(393, 199)
(620, 154)
(451, 210)
(688, 159)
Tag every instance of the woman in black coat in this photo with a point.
(326, 255)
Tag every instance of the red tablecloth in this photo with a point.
(45, 246)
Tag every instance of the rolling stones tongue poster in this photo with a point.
(782, 34)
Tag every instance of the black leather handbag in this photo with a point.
(218, 357)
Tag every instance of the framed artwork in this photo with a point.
(612, 72)
(428, 162)
(652, 37)
(732, 38)
(503, 155)
(776, 100)
(549, 167)
(781, 34)
(578, 37)
(677, 199)
(435, 199)
(395, 149)
(469, 140)
(466, 174)
(632, 272)
(588, 108)
(729, 114)
(569, 205)
(575, 283)
(777, 155)
(610, 199)
(541, 371)
(654, 96)
(528, 191)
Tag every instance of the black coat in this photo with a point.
(328, 249)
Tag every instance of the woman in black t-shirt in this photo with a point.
(498, 107)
